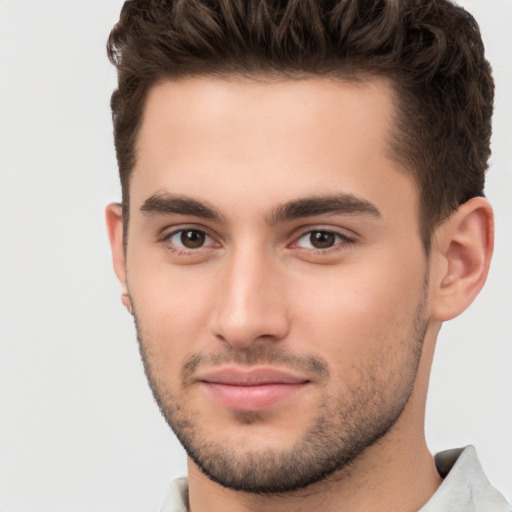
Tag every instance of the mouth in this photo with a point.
(254, 389)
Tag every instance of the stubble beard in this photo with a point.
(341, 431)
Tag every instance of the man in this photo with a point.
(302, 210)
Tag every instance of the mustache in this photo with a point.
(252, 356)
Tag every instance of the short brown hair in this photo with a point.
(431, 50)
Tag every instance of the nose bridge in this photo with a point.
(251, 304)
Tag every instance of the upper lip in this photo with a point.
(235, 376)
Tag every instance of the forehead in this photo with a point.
(216, 108)
(268, 139)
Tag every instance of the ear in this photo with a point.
(463, 247)
(114, 220)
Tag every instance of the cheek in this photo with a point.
(364, 325)
(359, 311)
(172, 310)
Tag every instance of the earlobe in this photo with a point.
(127, 303)
(114, 221)
(464, 245)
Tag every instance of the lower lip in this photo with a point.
(252, 398)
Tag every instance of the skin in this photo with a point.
(367, 308)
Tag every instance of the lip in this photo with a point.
(254, 389)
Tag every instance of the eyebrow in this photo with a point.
(169, 204)
(340, 204)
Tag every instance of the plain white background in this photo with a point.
(78, 427)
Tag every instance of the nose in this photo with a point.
(251, 303)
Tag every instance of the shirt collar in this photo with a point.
(465, 487)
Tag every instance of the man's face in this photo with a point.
(276, 272)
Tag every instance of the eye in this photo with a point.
(190, 239)
(321, 239)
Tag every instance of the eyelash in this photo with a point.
(342, 241)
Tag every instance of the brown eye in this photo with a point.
(192, 239)
(322, 239)
(189, 239)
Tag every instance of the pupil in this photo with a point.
(322, 239)
(192, 239)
